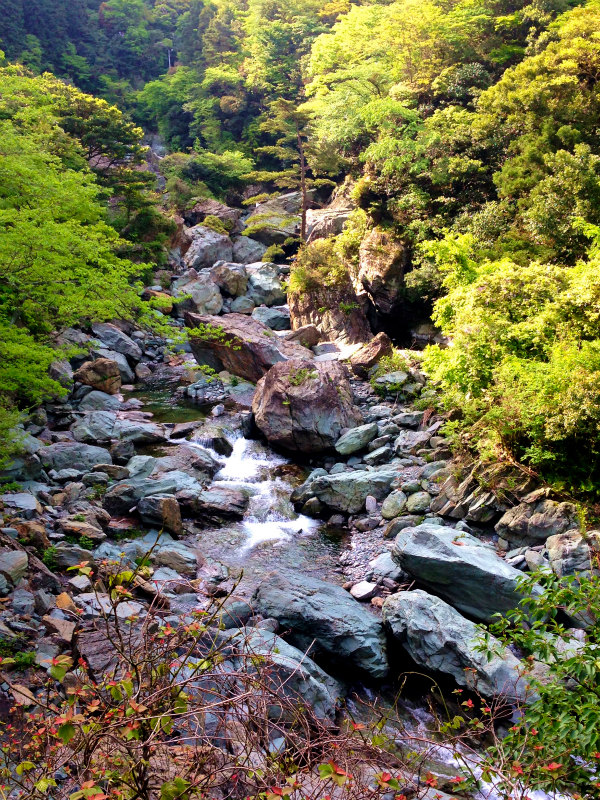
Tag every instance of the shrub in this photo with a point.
(317, 265)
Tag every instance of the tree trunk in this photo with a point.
(302, 186)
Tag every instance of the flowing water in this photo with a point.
(272, 536)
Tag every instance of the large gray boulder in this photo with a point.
(247, 250)
(204, 295)
(570, 553)
(343, 631)
(465, 571)
(275, 220)
(304, 406)
(114, 339)
(73, 455)
(347, 491)
(207, 247)
(264, 284)
(437, 637)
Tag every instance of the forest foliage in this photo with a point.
(469, 129)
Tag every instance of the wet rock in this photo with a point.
(116, 340)
(536, 521)
(218, 503)
(162, 511)
(177, 556)
(462, 569)
(356, 439)
(348, 491)
(242, 346)
(303, 406)
(344, 632)
(207, 247)
(102, 374)
(204, 295)
(437, 637)
(278, 319)
(370, 354)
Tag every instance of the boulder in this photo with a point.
(100, 401)
(460, 568)
(532, 522)
(264, 285)
(218, 503)
(291, 672)
(356, 439)
(242, 346)
(73, 455)
(242, 305)
(22, 503)
(13, 565)
(247, 250)
(306, 335)
(344, 632)
(125, 371)
(102, 374)
(102, 426)
(382, 262)
(206, 247)
(163, 511)
(410, 441)
(213, 208)
(418, 503)
(348, 491)
(438, 638)
(303, 406)
(204, 295)
(231, 278)
(276, 220)
(278, 319)
(116, 340)
(370, 354)
(394, 504)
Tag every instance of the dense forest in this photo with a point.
(468, 131)
(427, 361)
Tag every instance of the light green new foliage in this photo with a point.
(59, 262)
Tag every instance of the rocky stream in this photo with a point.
(320, 508)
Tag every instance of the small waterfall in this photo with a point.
(270, 515)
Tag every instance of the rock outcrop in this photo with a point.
(382, 261)
(336, 312)
(304, 406)
(206, 247)
(241, 345)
